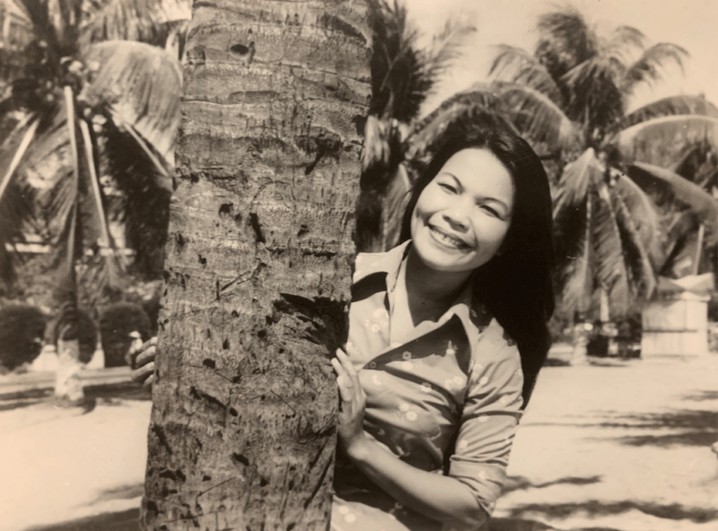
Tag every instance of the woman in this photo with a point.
(446, 335)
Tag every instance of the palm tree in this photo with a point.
(242, 433)
(569, 98)
(403, 75)
(78, 99)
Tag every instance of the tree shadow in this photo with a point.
(516, 524)
(514, 483)
(701, 396)
(685, 427)
(120, 521)
(678, 428)
(673, 511)
(124, 492)
(106, 393)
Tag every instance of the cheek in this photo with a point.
(491, 232)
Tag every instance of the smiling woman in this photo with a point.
(446, 335)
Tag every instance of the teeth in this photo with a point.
(447, 238)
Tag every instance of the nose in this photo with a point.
(457, 216)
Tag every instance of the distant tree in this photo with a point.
(77, 99)
(403, 75)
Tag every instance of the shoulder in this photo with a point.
(367, 264)
(495, 349)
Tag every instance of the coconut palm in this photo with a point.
(78, 101)
(403, 75)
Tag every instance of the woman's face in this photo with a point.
(462, 216)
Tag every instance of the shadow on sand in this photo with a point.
(673, 511)
(120, 521)
(105, 392)
(514, 483)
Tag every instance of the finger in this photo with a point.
(344, 382)
(337, 366)
(346, 363)
(150, 380)
(345, 390)
(141, 374)
(146, 356)
(343, 378)
(151, 341)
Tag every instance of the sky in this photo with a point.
(692, 24)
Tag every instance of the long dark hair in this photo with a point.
(516, 283)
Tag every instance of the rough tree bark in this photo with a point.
(242, 434)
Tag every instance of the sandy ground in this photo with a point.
(617, 446)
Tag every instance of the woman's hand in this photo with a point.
(353, 402)
(144, 365)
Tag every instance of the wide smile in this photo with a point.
(447, 240)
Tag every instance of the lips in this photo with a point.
(446, 239)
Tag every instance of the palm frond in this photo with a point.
(578, 178)
(565, 40)
(621, 49)
(402, 74)
(644, 218)
(26, 131)
(16, 214)
(395, 201)
(516, 65)
(688, 193)
(142, 206)
(462, 111)
(680, 228)
(38, 15)
(536, 116)
(639, 266)
(443, 50)
(611, 272)
(163, 171)
(16, 220)
(661, 141)
(144, 86)
(147, 21)
(649, 68)
(671, 106)
(98, 203)
(627, 37)
(396, 76)
(576, 260)
(595, 100)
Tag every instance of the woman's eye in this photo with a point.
(491, 210)
(448, 187)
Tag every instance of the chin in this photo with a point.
(439, 260)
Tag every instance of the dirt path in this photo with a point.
(623, 447)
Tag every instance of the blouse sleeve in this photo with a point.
(490, 417)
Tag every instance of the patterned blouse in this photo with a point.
(445, 400)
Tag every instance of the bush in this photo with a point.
(87, 335)
(116, 323)
(22, 328)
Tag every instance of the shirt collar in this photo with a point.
(473, 315)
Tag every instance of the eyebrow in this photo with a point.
(487, 198)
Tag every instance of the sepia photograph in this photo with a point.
(358, 265)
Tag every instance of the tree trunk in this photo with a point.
(242, 434)
(68, 386)
(581, 331)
